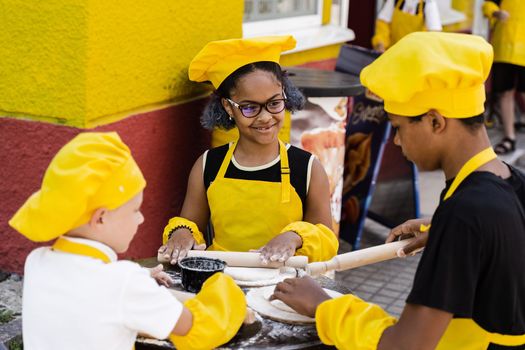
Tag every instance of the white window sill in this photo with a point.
(312, 38)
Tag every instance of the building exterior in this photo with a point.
(74, 65)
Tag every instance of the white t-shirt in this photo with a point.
(432, 19)
(77, 302)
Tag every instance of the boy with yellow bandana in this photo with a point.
(76, 294)
(469, 289)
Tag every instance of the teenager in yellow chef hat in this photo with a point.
(432, 87)
(257, 193)
(90, 200)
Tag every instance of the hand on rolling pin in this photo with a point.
(501, 15)
(410, 228)
(178, 245)
(301, 294)
(281, 247)
(160, 276)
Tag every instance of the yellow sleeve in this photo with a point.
(319, 242)
(489, 8)
(382, 34)
(218, 311)
(177, 222)
(351, 323)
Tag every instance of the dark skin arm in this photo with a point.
(410, 228)
(195, 208)
(418, 328)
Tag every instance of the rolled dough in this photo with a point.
(258, 277)
(257, 299)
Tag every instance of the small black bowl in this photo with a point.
(196, 270)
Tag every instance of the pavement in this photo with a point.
(386, 284)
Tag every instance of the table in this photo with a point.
(323, 83)
(262, 334)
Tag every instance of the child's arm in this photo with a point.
(213, 317)
(160, 276)
(184, 232)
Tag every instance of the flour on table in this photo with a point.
(258, 277)
(258, 300)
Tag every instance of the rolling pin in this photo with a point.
(244, 259)
(357, 258)
(183, 296)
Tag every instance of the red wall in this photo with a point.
(165, 144)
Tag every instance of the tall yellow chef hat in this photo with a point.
(432, 70)
(91, 171)
(218, 59)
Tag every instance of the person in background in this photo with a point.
(507, 18)
(256, 193)
(469, 287)
(398, 18)
(76, 294)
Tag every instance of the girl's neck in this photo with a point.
(254, 154)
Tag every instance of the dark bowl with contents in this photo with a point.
(196, 270)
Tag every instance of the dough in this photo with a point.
(251, 273)
(258, 277)
(257, 299)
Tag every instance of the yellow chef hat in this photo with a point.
(432, 70)
(218, 59)
(91, 171)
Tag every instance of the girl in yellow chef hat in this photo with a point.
(76, 294)
(256, 192)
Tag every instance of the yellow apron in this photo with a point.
(463, 333)
(405, 23)
(247, 214)
(508, 37)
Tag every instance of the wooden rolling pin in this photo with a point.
(244, 259)
(357, 258)
(183, 296)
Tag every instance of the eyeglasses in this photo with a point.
(253, 109)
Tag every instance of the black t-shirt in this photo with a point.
(298, 161)
(473, 265)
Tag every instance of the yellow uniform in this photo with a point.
(247, 214)
(508, 36)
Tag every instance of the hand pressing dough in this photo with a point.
(257, 299)
(258, 277)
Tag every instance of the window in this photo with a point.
(282, 15)
(301, 18)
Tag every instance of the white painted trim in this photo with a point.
(307, 30)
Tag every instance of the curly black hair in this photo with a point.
(215, 115)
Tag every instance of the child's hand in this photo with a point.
(501, 15)
(281, 247)
(160, 276)
(301, 294)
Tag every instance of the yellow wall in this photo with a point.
(85, 63)
(90, 62)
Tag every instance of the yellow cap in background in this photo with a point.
(91, 171)
(432, 70)
(218, 59)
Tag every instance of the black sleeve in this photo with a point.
(447, 274)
